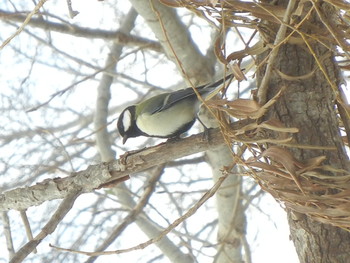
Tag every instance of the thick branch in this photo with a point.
(96, 175)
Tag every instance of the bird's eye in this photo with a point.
(126, 120)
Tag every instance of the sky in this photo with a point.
(268, 231)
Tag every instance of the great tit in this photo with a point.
(167, 115)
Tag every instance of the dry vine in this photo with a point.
(304, 187)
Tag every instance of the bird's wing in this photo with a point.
(165, 101)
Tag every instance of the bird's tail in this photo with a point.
(212, 86)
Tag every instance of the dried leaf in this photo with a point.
(268, 167)
(288, 161)
(244, 107)
(213, 2)
(276, 125)
(218, 50)
(282, 156)
(272, 101)
(172, 3)
(275, 141)
(312, 164)
(248, 127)
(296, 78)
(256, 49)
(239, 108)
(237, 72)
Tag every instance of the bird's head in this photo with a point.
(127, 124)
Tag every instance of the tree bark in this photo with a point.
(309, 104)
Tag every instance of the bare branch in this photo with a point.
(131, 217)
(7, 233)
(166, 231)
(95, 176)
(72, 12)
(117, 36)
(61, 92)
(48, 229)
(103, 141)
(26, 21)
(279, 39)
(27, 227)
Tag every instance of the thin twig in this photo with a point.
(131, 217)
(61, 92)
(27, 227)
(7, 233)
(247, 251)
(26, 21)
(177, 222)
(49, 228)
(72, 12)
(328, 25)
(262, 91)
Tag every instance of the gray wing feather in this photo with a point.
(165, 101)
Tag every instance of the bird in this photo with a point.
(167, 115)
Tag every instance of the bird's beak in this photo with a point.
(125, 138)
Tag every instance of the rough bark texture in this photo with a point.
(308, 104)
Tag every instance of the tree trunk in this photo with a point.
(309, 104)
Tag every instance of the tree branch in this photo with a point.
(96, 175)
(74, 30)
(210, 193)
(48, 229)
(132, 216)
(7, 233)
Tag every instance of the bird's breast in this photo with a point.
(166, 123)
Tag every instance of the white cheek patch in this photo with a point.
(126, 120)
